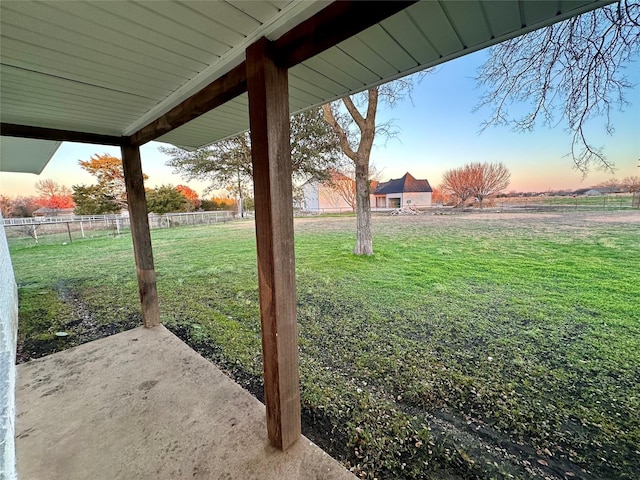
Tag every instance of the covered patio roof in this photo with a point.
(26, 155)
(138, 69)
(190, 73)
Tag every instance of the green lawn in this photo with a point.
(468, 346)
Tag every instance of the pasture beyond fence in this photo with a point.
(512, 204)
(567, 204)
(67, 229)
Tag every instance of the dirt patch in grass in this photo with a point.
(63, 321)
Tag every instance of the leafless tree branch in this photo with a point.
(570, 72)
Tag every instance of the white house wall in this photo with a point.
(8, 339)
(310, 195)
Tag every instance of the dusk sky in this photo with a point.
(437, 131)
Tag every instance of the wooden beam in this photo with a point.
(331, 25)
(271, 156)
(41, 133)
(220, 91)
(139, 220)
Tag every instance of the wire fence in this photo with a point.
(68, 229)
(308, 212)
(566, 204)
(513, 204)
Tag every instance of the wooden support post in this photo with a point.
(271, 155)
(139, 222)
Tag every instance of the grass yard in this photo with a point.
(603, 202)
(469, 346)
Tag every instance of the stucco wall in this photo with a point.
(8, 338)
(330, 199)
(322, 199)
(420, 199)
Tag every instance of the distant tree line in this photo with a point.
(628, 184)
(51, 195)
(108, 195)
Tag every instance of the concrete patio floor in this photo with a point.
(143, 405)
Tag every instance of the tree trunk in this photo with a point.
(364, 239)
(367, 126)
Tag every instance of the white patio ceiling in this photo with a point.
(111, 68)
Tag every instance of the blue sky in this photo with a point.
(440, 131)
(437, 131)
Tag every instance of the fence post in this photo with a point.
(69, 230)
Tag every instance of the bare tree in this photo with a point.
(23, 207)
(613, 185)
(572, 72)
(5, 206)
(489, 179)
(49, 188)
(357, 131)
(455, 182)
(53, 195)
(631, 183)
(479, 180)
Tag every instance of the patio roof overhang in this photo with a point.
(190, 73)
(26, 155)
(174, 71)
